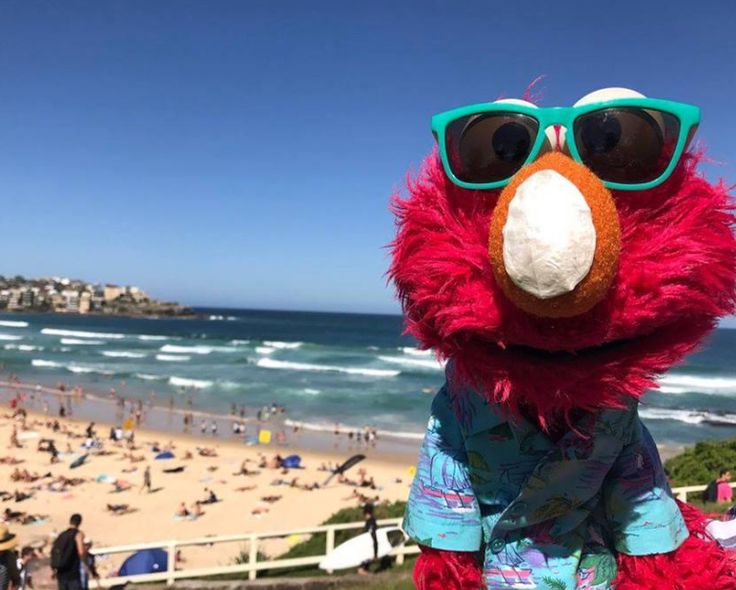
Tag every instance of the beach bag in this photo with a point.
(63, 551)
(711, 492)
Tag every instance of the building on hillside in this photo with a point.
(113, 292)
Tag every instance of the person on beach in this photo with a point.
(68, 554)
(88, 567)
(724, 492)
(182, 511)
(370, 527)
(14, 442)
(146, 480)
(27, 555)
(8, 565)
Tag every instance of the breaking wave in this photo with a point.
(683, 383)
(124, 354)
(268, 363)
(413, 362)
(172, 358)
(279, 344)
(12, 324)
(186, 349)
(81, 342)
(184, 382)
(81, 334)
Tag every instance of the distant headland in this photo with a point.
(64, 295)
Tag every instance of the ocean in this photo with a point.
(325, 368)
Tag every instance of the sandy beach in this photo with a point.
(107, 489)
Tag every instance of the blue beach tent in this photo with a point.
(148, 561)
(165, 455)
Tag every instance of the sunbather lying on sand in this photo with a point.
(120, 509)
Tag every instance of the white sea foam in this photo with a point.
(45, 363)
(12, 324)
(184, 382)
(265, 349)
(96, 370)
(699, 383)
(186, 349)
(124, 354)
(279, 344)
(10, 337)
(415, 351)
(239, 342)
(23, 347)
(81, 334)
(343, 428)
(688, 416)
(311, 391)
(413, 362)
(268, 363)
(172, 358)
(78, 342)
(148, 377)
(151, 337)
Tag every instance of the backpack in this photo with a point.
(64, 551)
(711, 492)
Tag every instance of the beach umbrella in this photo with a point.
(165, 455)
(148, 561)
(354, 460)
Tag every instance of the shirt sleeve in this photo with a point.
(442, 511)
(640, 508)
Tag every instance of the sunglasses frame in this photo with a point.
(687, 114)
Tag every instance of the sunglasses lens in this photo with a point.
(489, 147)
(628, 145)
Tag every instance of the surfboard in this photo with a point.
(359, 549)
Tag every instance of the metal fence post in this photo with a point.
(253, 558)
(171, 564)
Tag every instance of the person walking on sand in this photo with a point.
(146, 480)
(68, 554)
(8, 565)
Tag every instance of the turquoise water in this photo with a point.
(325, 368)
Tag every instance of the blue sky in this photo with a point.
(243, 153)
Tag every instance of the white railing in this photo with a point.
(681, 493)
(253, 565)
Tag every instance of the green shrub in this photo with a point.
(701, 464)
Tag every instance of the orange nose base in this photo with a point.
(595, 285)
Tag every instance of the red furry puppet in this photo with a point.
(560, 260)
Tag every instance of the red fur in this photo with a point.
(699, 563)
(447, 570)
(676, 276)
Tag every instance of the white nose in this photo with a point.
(549, 238)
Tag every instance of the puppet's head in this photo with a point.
(562, 258)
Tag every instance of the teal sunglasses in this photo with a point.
(629, 143)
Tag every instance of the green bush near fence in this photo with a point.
(700, 464)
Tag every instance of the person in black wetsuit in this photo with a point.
(369, 527)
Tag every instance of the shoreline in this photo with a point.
(97, 407)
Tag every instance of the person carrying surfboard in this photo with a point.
(369, 527)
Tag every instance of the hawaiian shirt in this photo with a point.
(546, 514)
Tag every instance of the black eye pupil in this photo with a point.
(601, 134)
(511, 142)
